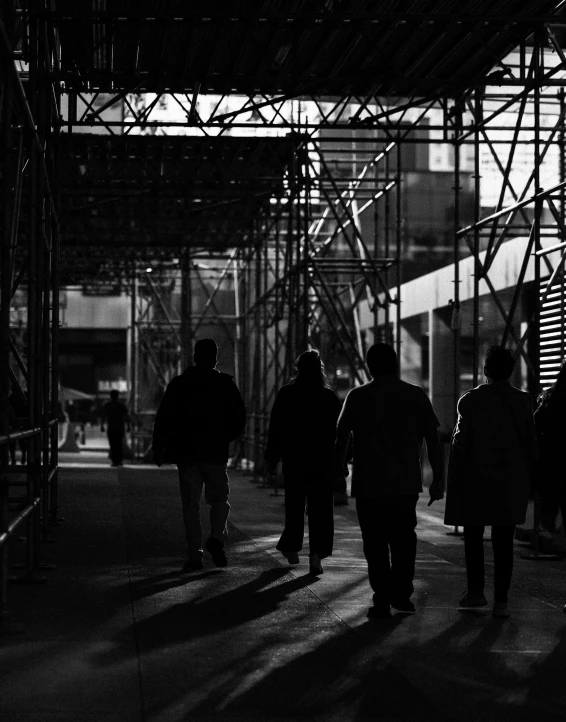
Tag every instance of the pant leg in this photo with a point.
(190, 484)
(216, 492)
(402, 522)
(502, 541)
(115, 442)
(473, 549)
(320, 502)
(371, 516)
(293, 532)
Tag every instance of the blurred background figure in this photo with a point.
(18, 421)
(117, 418)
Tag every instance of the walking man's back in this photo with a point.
(201, 412)
(389, 419)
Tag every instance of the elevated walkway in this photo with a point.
(117, 633)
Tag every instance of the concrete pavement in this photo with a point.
(117, 633)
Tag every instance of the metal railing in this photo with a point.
(40, 502)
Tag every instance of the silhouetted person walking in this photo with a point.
(302, 430)
(200, 413)
(550, 424)
(117, 418)
(493, 450)
(389, 419)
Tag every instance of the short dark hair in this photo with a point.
(499, 363)
(114, 395)
(381, 359)
(206, 352)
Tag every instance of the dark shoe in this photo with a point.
(340, 499)
(500, 610)
(405, 606)
(291, 557)
(216, 549)
(473, 599)
(379, 612)
(193, 565)
(315, 565)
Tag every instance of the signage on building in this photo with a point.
(105, 386)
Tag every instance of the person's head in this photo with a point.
(381, 359)
(499, 364)
(206, 353)
(310, 369)
(114, 395)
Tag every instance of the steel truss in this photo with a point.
(302, 273)
(524, 208)
(306, 271)
(29, 313)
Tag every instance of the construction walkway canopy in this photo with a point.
(271, 146)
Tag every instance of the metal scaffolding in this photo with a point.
(29, 255)
(277, 222)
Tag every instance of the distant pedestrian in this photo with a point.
(18, 420)
(550, 424)
(389, 420)
(200, 414)
(493, 451)
(302, 429)
(117, 420)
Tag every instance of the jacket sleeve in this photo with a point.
(531, 432)
(344, 427)
(461, 447)
(237, 412)
(274, 448)
(461, 437)
(163, 419)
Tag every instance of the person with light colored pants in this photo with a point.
(200, 414)
(193, 475)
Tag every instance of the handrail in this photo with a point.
(19, 435)
(22, 516)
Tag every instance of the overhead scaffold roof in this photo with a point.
(163, 192)
(290, 47)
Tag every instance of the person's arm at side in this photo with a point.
(343, 435)
(237, 412)
(460, 451)
(273, 448)
(434, 451)
(161, 425)
(532, 449)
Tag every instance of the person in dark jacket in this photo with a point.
(301, 434)
(117, 419)
(200, 414)
(550, 424)
(493, 450)
(389, 420)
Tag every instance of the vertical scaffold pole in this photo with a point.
(456, 312)
(477, 212)
(5, 297)
(398, 249)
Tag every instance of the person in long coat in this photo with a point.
(489, 475)
(550, 423)
(302, 429)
